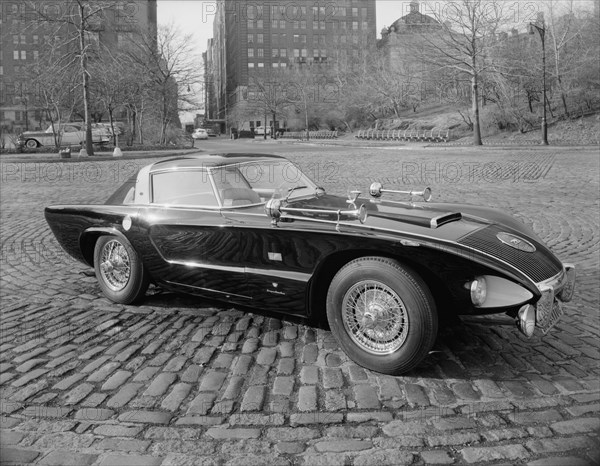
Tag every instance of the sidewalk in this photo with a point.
(127, 155)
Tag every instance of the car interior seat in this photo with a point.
(239, 196)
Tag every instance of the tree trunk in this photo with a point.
(89, 144)
(112, 126)
(475, 105)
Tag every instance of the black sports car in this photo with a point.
(253, 230)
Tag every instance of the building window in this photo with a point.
(250, 38)
(23, 39)
(343, 11)
(275, 65)
(36, 54)
(260, 38)
(354, 11)
(1, 70)
(35, 39)
(260, 53)
(261, 64)
(15, 54)
(281, 24)
(251, 53)
(275, 53)
(259, 24)
(283, 53)
(365, 25)
(303, 53)
(296, 25)
(283, 65)
(363, 12)
(274, 23)
(315, 24)
(250, 65)
(250, 24)
(296, 53)
(315, 53)
(303, 24)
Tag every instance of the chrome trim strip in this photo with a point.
(296, 276)
(208, 289)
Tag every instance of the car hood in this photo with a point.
(448, 221)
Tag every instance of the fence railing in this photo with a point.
(404, 135)
(311, 134)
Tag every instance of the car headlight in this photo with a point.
(478, 291)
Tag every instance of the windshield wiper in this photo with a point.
(292, 189)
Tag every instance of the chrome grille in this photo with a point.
(539, 265)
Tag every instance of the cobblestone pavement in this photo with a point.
(177, 381)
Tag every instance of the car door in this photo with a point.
(280, 260)
(193, 248)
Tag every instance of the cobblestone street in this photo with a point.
(178, 381)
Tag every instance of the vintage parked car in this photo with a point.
(200, 133)
(255, 231)
(67, 134)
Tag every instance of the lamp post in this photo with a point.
(541, 28)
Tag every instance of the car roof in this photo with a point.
(202, 160)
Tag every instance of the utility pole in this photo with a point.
(540, 25)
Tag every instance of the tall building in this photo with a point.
(253, 37)
(25, 36)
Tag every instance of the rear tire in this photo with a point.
(119, 270)
(382, 314)
(31, 143)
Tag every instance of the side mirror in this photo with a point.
(376, 189)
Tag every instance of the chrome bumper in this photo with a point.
(555, 291)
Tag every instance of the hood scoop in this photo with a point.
(422, 218)
(444, 218)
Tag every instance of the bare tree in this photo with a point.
(268, 95)
(172, 69)
(76, 21)
(52, 86)
(464, 43)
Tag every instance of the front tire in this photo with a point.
(31, 143)
(382, 314)
(119, 270)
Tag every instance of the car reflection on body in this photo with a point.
(253, 230)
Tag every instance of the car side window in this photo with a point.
(70, 129)
(192, 187)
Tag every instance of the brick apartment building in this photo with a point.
(250, 38)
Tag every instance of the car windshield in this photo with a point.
(256, 182)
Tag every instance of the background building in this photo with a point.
(24, 38)
(254, 37)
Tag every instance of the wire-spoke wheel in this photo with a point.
(382, 314)
(119, 271)
(375, 317)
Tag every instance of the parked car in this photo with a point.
(254, 231)
(67, 134)
(200, 133)
(260, 130)
(211, 132)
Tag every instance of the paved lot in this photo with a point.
(177, 381)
